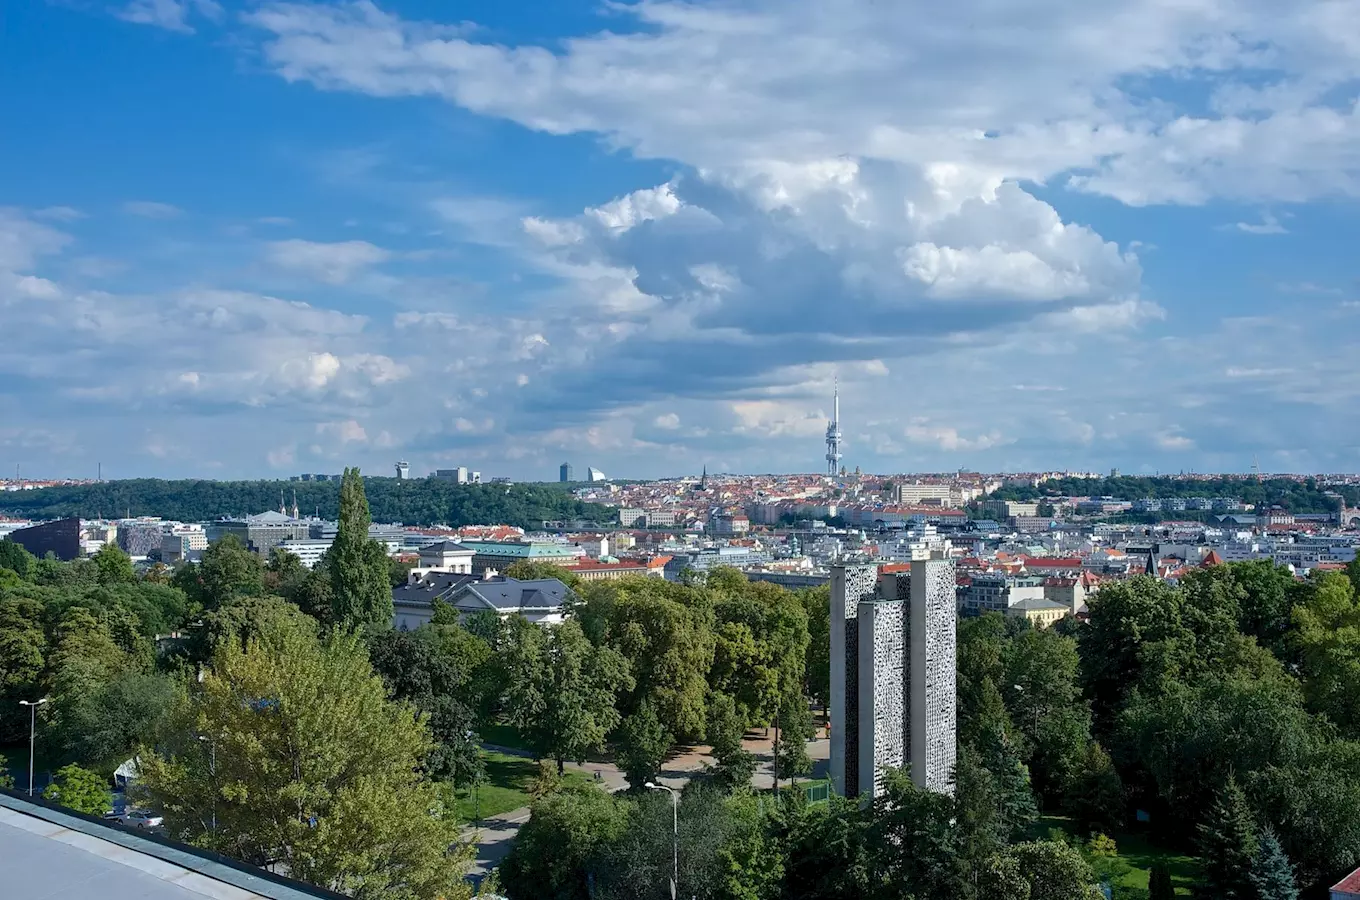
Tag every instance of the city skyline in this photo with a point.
(241, 241)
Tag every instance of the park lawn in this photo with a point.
(1141, 855)
(506, 786)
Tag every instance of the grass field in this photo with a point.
(1141, 855)
(506, 786)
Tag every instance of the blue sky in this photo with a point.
(267, 238)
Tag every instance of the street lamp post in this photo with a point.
(675, 833)
(1033, 702)
(32, 735)
(212, 774)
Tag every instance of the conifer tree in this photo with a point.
(1159, 884)
(1271, 874)
(361, 588)
(1227, 844)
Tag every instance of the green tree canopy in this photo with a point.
(559, 851)
(305, 762)
(361, 591)
(227, 570)
(576, 683)
(665, 632)
(1227, 843)
(643, 742)
(15, 558)
(114, 566)
(418, 668)
(81, 790)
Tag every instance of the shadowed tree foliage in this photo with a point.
(1227, 844)
(642, 745)
(1160, 886)
(419, 669)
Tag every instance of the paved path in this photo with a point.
(497, 833)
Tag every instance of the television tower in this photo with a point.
(833, 435)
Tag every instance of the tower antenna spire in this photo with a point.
(833, 432)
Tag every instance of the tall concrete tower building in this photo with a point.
(893, 699)
(833, 436)
(934, 667)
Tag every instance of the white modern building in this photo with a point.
(309, 551)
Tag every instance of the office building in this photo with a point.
(138, 537)
(893, 697)
(261, 533)
(309, 551)
(60, 538)
(593, 474)
(403, 470)
(497, 556)
(182, 543)
(565, 473)
(917, 493)
(460, 475)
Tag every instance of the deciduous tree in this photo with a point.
(80, 789)
(360, 584)
(304, 762)
(734, 766)
(114, 566)
(15, 558)
(559, 851)
(643, 742)
(577, 683)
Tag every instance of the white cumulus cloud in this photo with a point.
(332, 263)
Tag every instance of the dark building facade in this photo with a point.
(60, 538)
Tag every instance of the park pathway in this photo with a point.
(496, 833)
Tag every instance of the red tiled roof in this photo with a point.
(1211, 559)
(1350, 884)
(889, 568)
(1052, 562)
